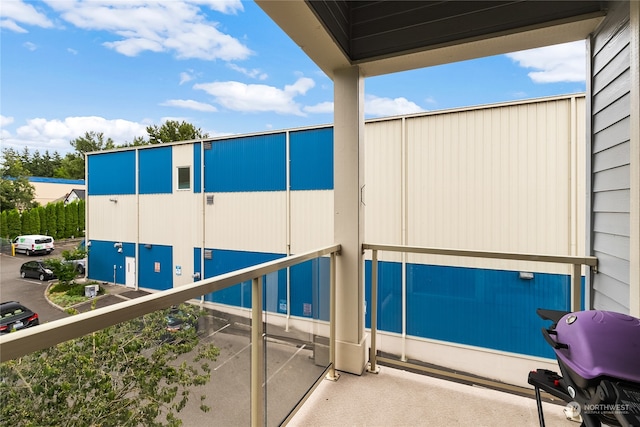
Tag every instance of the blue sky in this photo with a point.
(116, 67)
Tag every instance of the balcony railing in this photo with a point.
(16, 345)
(575, 262)
(44, 336)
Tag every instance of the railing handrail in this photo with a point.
(558, 259)
(48, 334)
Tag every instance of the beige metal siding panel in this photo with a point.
(250, 221)
(172, 220)
(311, 220)
(382, 195)
(495, 179)
(112, 221)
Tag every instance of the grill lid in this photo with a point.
(600, 343)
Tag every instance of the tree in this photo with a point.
(4, 224)
(14, 225)
(172, 131)
(16, 192)
(52, 219)
(71, 219)
(127, 374)
(61, 221)
(81, 218)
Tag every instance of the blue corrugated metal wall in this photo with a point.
(155, 267)
(309, 283)
(311, 153)
(111, 173)
(225, 261)
(255, 163)
(197, 166)
(155, 171)
(310, 289)
(485, 308)
(103, 256)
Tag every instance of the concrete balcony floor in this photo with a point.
(396, 397)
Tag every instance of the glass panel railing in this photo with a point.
(162, 367)
(176, 356)
(297, 347)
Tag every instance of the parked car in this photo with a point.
(37, 270)
(80, 265)
(15, 316)
(178, 319)
(34, 244)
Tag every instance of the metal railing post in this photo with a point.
(257, 355)
(374, 312)
(576, 288)
(332, 374)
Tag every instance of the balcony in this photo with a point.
(275, 368)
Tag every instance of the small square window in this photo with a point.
(184, 178)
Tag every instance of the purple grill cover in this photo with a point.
(600, 343)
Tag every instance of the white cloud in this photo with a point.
(238, 96)
(552, 64)
(254, 73)
(323, 107)
(190, 104)
(185, 77)
(13, 12)
(55, 135)
(380, 107)
(158, 26)
(30, 46)
(4, 120)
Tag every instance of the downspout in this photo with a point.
(204, 216)
(288, 225)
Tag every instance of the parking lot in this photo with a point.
(290, 363)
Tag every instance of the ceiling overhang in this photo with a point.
(390, 36)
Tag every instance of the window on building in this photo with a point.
(184, 178)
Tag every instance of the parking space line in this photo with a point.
(232, 357)
(285, 363)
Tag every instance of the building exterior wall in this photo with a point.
(48, 190)
(503, 177)
(610, 159)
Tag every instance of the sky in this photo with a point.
(113, 66)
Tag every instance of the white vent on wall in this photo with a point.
(207, 145)
(210, 199)
(208, 254)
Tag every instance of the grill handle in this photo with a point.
(546, 333)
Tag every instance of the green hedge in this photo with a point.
(57, 220)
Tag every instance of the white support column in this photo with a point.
(634, 285)
(348, 164)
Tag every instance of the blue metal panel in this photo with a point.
(310, 289)
(111, 173)
(106, 264)
(197, 167)
(155, 171)
(486, 308)
(155, 267)
(255, 163)
(197, 266)
(225, 261)
(389, 296)
(311, 153)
